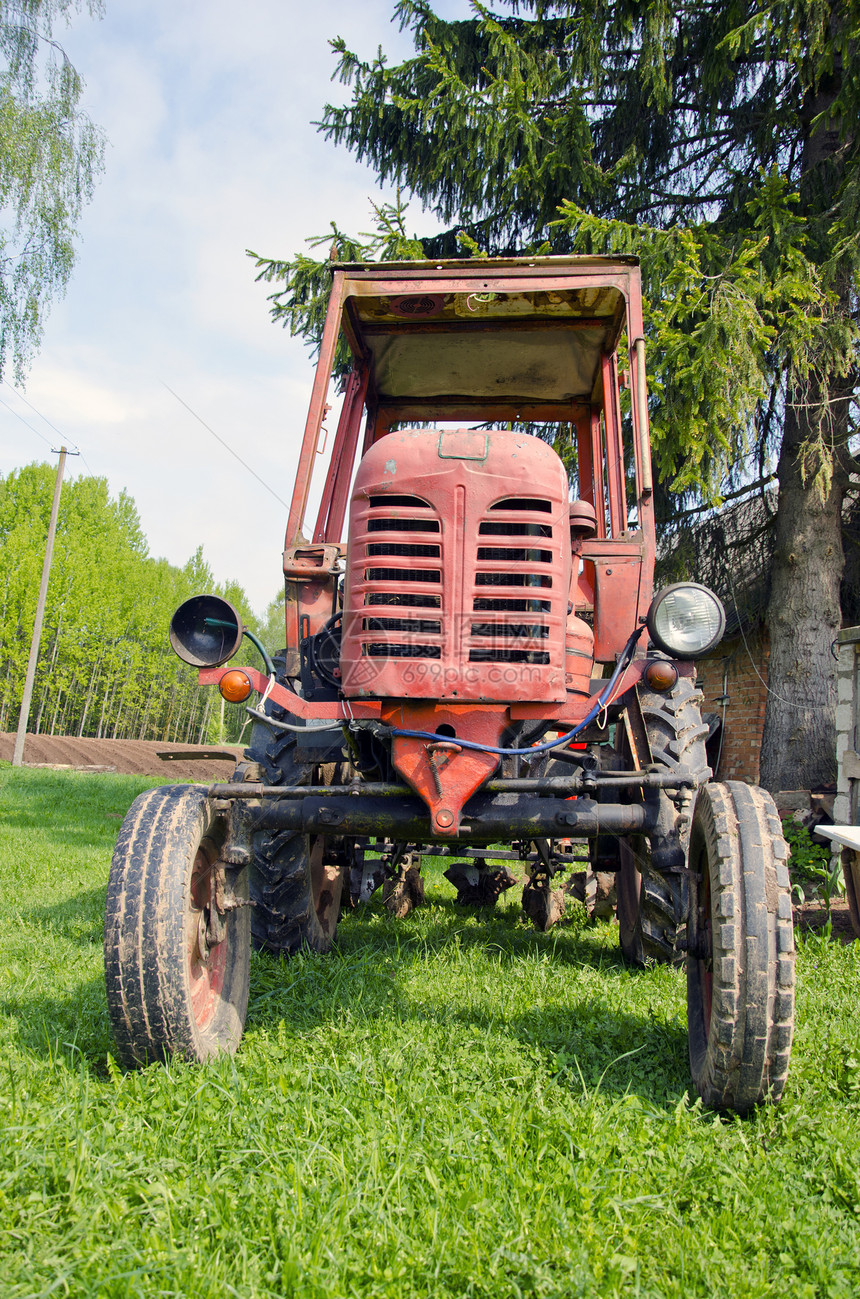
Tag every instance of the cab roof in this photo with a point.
(496, 330)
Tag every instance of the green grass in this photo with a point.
(450, 1105)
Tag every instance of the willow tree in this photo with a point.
(50, 155)
(718, 142)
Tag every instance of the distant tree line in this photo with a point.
(105, 668)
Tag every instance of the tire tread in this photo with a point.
(677, 736)
(744, 1059)
(144, 941)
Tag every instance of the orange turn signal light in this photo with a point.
(661, 675)
(235, 686)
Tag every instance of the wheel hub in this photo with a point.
(207, 957)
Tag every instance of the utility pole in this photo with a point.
(24, 715)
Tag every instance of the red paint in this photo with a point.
(458, 569)
(336, 491)
(443, 774)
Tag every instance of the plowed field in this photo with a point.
(180, 762)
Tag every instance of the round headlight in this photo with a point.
(686, 620)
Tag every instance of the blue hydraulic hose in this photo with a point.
(626, 655)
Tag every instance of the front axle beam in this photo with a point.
(487, 818)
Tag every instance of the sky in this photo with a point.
(207, 107)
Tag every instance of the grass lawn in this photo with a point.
(450, 1105)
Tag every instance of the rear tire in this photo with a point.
(651, 907)
(740, 963)
(675, 728)
(295, 892)
(177, 960)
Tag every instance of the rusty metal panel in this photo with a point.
(443, 774)
(599, 474)
(616, 599)
(635, 732)
(286, 698)
(316, 413)
(542, 365)
(614, 448)
(310, 595)
(336, 491)
(458, 569)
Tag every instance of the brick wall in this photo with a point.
(736, 671)
(847, 811)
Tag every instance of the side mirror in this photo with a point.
(206, 631)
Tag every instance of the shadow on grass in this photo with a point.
(586, 1043)
(75, 1027)
(504, 931)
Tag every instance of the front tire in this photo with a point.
(177, 938)
(740, 959)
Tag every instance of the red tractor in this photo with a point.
(480, 670)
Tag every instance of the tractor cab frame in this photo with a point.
(504, 342)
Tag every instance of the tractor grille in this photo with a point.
(407, 524)
(457, 586)
(502, 635)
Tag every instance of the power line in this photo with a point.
(25, 421)
(226, 445)
(22, 398)
(63, 439)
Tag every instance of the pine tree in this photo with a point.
(718, 142)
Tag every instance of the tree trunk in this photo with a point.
(201, 738)
(58, 696)
(804, 615)
(144, 721)
(90, 691)
(107, 705)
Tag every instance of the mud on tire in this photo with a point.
(740, 966)
(295, 892)
(177, 945)
(651, 907)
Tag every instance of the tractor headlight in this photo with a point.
(686, 620)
